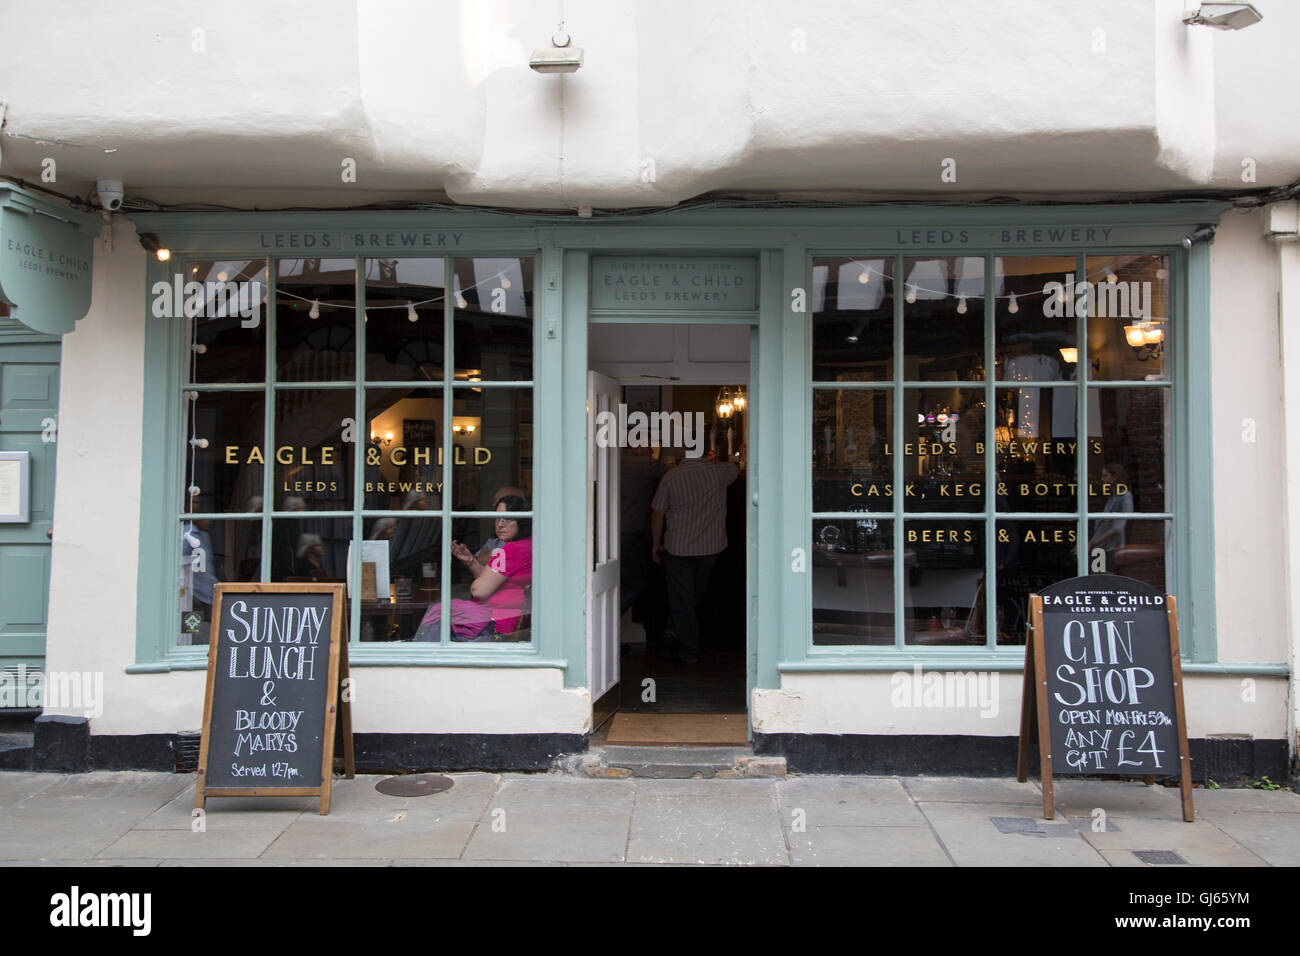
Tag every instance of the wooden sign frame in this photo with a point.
(338, 709)
(1034, 716)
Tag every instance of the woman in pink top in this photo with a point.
(499, 596)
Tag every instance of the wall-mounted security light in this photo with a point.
(151, 244)
(1203, 234)
(1223, 16)
(559, 57)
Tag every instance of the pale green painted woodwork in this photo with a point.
(783, 240)
(29, 409)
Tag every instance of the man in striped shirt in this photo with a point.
(692, 501)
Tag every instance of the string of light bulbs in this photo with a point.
(1013, 306)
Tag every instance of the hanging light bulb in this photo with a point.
(1012, 306)
(911, 294)
(222, 276)
(194, 491)
(365, 316)
(505, 281)
(1110, 276)
(961, 305)
(199, 442)
(315, 309)
(1162, 273)
(864, 276)
(411, 314)
(199, 348)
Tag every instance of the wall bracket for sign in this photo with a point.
(1103, 685)
(278, 698)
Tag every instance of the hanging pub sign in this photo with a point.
(1103, 684)
(277, 669)
(47, 252)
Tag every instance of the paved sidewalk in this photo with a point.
(144, 819)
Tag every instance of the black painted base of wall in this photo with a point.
(65, 745)
(1225, 761)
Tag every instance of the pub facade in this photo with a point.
(937, 402)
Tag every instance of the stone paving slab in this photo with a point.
(1200, 843)
(226, 844)
(867, 846)
(973, 790)
(276, 862)
(1267, 801)
(1079, 798)
(847, 801)
(15, 787)
(567, 835)
(322, 839)
(229, 813)
(37, 834)
(80, 863)
(972, 839)
(1274, 837)
(707, 821)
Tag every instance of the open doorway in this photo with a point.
(675, 639)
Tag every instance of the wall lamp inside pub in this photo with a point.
(559, 57)
(1203, 234)
(151, 244)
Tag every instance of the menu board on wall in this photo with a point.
(1103, 684)
(276, 658)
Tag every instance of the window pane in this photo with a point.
(397, 348)
(229, 328)
(310, 549)
(228, 471)
(492, 435)
(321, 349)
(853, 320)
(1129, 430)
(1032, 324)
(494, 319)
(944, 577)
(401, 560)
(943, 319)
(853, 581)
(500, 553)
(404, 455)
(1134, 548)
(1037, 449)
(313, 464)
(1128, 317)
(943, 453)
(1032, 555)
(213, 552)
(852, 441)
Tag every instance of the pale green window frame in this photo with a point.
(166, 364)
(989, 517)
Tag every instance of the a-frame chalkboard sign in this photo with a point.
(1103, 685)
(277, 674)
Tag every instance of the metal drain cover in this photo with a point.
(414, 785)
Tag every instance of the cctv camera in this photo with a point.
(110, 194)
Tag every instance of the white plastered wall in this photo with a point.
(92, 623)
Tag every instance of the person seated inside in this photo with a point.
(498, 597)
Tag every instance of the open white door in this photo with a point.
(603, 395)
